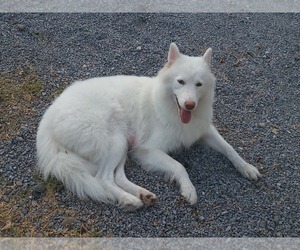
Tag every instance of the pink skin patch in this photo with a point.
(185, 115)
(131, 142)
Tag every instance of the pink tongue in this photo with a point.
(185, 116)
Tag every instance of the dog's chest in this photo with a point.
(173, 137)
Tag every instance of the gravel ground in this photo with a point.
(256, 62)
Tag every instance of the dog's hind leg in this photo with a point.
(105, 176)
(217, 142)
(121, 180)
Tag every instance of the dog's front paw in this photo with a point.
(188, 191)
(249, 171)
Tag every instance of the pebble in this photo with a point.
(38, 191)
(5, 198)
(282, 156)
(21, 27)
(20, 139)
(202, 218)
(19, 183)
(34, 203)
(41, 188)
(261, 125)
(24, 211)
(69, 222)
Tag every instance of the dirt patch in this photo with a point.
(19, 90)
(21, 215)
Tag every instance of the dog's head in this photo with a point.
(190, 79)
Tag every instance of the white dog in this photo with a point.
(86, 134)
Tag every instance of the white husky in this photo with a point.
(86, 134)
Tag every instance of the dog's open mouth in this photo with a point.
(185, 115)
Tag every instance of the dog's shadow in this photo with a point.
(204, 164)
(205, 167)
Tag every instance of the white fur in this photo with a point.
(86, 134)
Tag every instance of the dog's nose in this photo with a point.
(189, 105)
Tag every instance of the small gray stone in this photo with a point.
(202, 218)
(282, 156)
(69, 222)
(40, 188)
(261, 125)
(39, 235)
(5, 198)
(38, 191)
(19, 183)
(19, 138)
(2, 224)
(24, 211)
(21, 27)
(34, 203)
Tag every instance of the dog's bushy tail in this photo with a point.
(71, 169)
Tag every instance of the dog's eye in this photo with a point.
(181, 82)
(199, 84)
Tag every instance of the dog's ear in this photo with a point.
(207, 56)
(173, 53)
